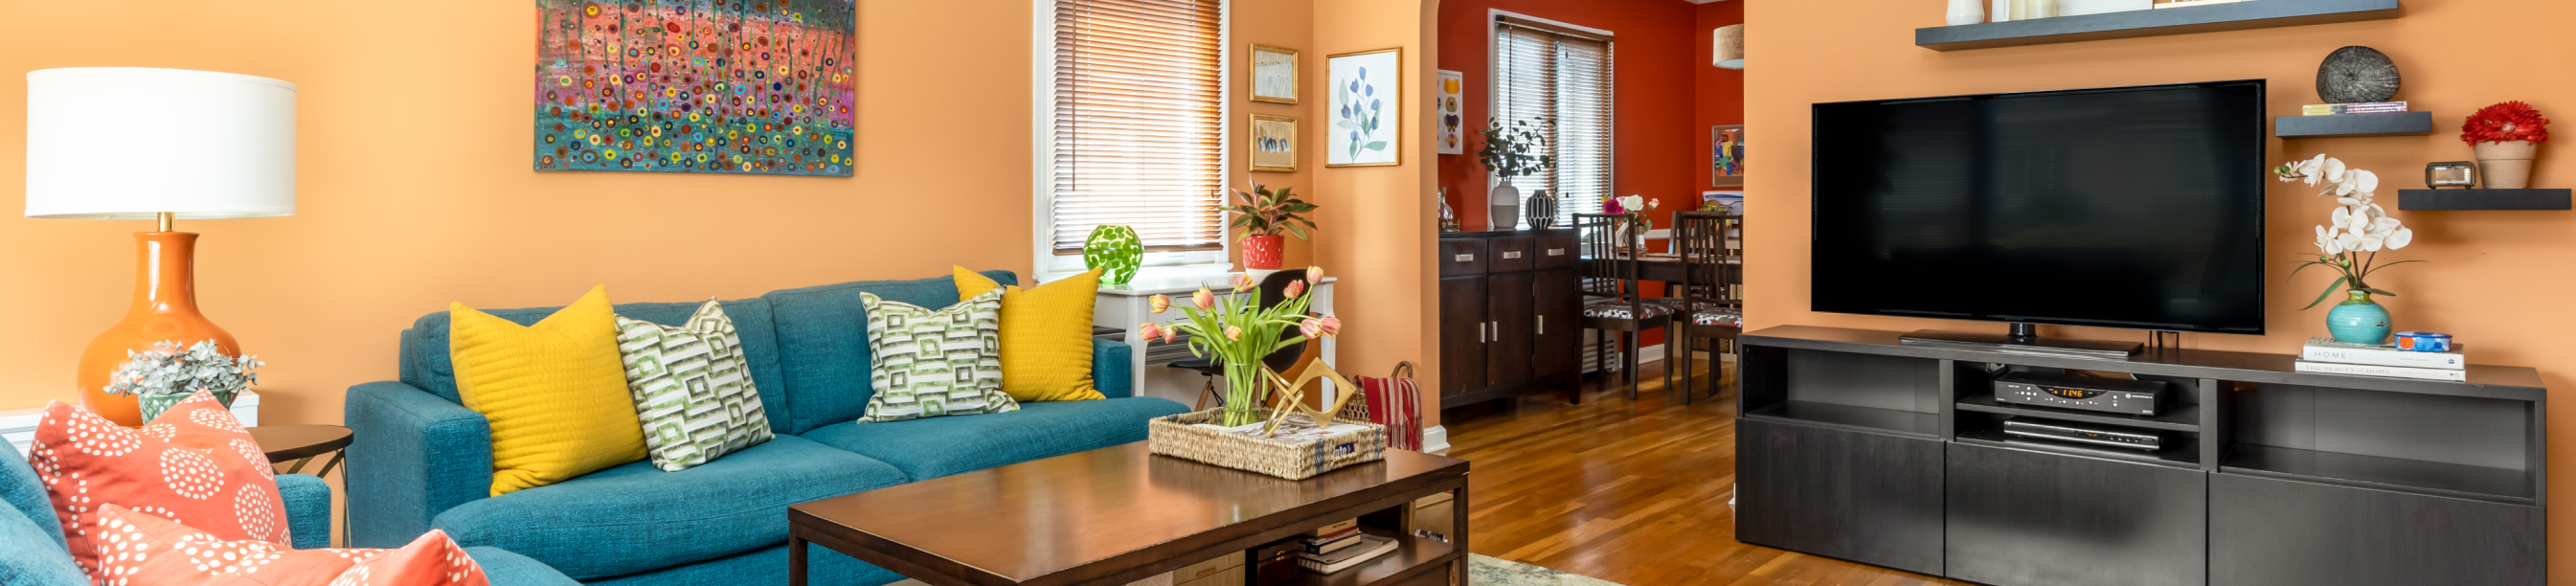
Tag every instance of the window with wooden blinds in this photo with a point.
(1137, 129)
(1552, 72)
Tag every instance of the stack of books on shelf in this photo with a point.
(1339, 546)
(2354, 108)
(2328, 356)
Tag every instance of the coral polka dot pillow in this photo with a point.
(193, 465)
(144, 550)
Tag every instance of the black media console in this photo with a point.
(1853, 446)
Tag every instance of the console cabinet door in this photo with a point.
(1557, 324)
(1463, 334)
(1864, 497)
(2027, 518)
(1510, 299)
(2269, 532)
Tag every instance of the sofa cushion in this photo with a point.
(510, 569)
(22, 492)
(823, 346)
(823, 567)
(555, 393)
(31, 551)
(931, 448)
(427, 365)
(691, 388)
(636, 518)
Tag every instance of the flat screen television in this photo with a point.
(2130, 207)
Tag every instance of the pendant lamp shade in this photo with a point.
(125, 143)
(1729, 53)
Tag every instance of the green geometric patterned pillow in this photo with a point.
(934, 363)
(692, 388)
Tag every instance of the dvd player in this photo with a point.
(2090, 393)
(2083, 434)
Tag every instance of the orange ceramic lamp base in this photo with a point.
(164, 309)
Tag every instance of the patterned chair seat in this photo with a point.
(1718, 316)
(1615, 309)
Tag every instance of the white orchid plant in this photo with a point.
(2359, 230)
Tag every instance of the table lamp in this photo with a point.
(120, 143)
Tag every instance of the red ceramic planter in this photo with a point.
(1263, 253)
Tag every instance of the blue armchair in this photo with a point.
(420, 460)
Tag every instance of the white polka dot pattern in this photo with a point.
(257, 512)
(100, 437)
(162, 430)
(191, 473)
(194, 465)
(134, 549)
(251, 453)
(219, 419)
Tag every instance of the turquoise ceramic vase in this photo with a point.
(2358, 320)
(1118, 249)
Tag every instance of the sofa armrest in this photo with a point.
(308, 509)
(414, 455)
(1113, 368)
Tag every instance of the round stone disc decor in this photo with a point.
(2357, 74)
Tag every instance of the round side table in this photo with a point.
(302, 443)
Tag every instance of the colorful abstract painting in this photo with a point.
(1453, 132)
(1726, 144)
(696, 86)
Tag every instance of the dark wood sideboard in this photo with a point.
(1509, 314)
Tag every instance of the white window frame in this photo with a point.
(1048, 265)
(1494, 86)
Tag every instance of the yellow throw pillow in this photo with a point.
(1046, 336)
(555, 392)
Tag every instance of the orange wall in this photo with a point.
(1289, 24)
(2493, 277)
(1381, 220)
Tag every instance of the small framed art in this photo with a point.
(1274, 74)
(1452, 112)
(1726, 155)
(1367, 107)
(1273, 144)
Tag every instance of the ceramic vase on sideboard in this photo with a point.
(2505, 165)
(2358, 320)
(1503, 209)
(1542, 210)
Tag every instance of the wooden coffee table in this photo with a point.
(1120, 514)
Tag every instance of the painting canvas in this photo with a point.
(1453, 117)
(1366, 109)
(1726, 145)
(1274, 74)
(763, 87)
(1274, 143)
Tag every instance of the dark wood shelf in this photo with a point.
(1925, 425)
(2250, 14)
(2411, 476)
(1412, 556)
(2353, 125)
(2176, 416)
(2482, 199)
(2179, 452)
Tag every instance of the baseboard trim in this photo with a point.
(1436, 440)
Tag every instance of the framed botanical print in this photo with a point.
(1273, 143)
(1367, 108)
(1274, 74)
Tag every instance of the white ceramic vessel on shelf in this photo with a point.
(1967, 12)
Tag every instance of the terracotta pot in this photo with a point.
(2505, 165)
(1263, 253)
(164, 309)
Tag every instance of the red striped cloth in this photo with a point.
(1397, 404)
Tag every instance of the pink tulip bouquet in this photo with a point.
(1236, 330)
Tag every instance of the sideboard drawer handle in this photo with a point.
(1556, 252)
(1466, 258)
(1511, 255)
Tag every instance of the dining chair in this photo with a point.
(1711, 290)
(1613, 297)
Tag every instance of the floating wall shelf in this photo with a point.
(2482, 199)
(2348, 125)
(2250, 14)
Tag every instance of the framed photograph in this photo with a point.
(600, 107)
(1274, 74)
(1452, 113)
(1367, 108)
(1273, 144)
(1726, 160)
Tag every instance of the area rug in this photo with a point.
(1486, 571)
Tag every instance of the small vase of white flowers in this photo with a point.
(166, 374)
(2350, 246)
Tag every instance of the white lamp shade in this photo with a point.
(1729, 50)
(118, 143)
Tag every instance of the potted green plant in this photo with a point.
(1263, 216)
(1511, 150)
(1239, 333)
(164, 374)
(2359, 230)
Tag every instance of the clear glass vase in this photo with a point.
(1242, 392)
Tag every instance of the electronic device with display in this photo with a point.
(2084, 434)
(2089, 393)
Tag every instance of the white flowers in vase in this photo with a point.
(2358, 228)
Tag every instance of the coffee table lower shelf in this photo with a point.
(1415, 560)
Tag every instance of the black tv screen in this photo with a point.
(2135, 207)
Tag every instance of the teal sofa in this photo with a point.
(32, 551)
(420, 460)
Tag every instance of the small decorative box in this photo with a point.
(2423, 342)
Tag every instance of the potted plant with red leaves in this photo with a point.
(1263, 216)
(2506, 137)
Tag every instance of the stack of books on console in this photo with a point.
(2328, 356)
(2353, 108)
(1339, 546)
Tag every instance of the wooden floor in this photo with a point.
(1632, 492)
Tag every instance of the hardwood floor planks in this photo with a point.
(1633, 492)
